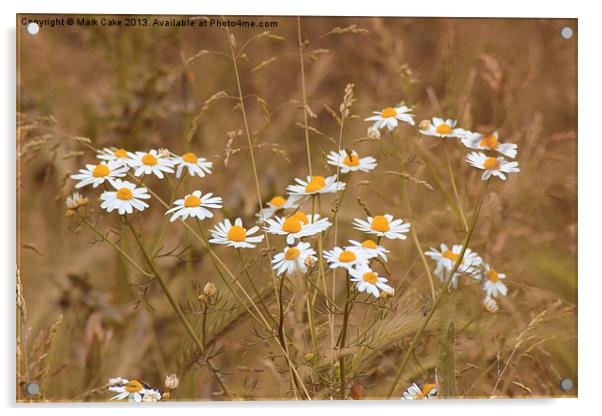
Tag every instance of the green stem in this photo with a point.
(343, 338)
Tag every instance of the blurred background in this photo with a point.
(87, 316)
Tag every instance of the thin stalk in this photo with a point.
(453, 183)
(343, 338)
(253, 286)
(304, 95)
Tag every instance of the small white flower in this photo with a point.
(446, 259)
(493, 166)
(389, 117)
(491, 142)
(125, 199)
(195, 205)
(197, 166)
(490, 304)
(235, 235)
(383, 226)
(443, 128)
(97, 174)
(371, 248)
(151, 396)
(297, 225)
(151, 162)
(345, 258)
(276, 204)
(293, 259)
(121, 156)
(493, 284)
(118, 381)
(367, 280)
(351, 162)
(75, 200)
(133, 390)
(316, 185)
(415, 393)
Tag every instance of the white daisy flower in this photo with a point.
(151, 396)
(133, 390)
(97, 174)
(390, 117)
(446, 259)
(125, 198)
(439, 127)
(491, 142)
(195, 205)
(414, 392)
(351, 162)
(383, 226)
(75, 200)
(297, 226)
(276, 204)
(122, 156)
(367, 280)
(371, 248)
(235, 235)
(316, 185)
(294, 259)
(197, 166)
(345, 257)
(152, 162)
(493, 284)
(493, 166)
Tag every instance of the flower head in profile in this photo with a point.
(196, 166)
(75, 200)
(414, 392)
(367, 280)
(235, 235)
(349, 161)
(297, 225)
(345, 258)
(383, 226)
(390, 117)
(446, 259)
(316, 185)
(133, 390)
(153, 162)
(98, 174)
(492, 282)
(294, 259)
(493, 166)
(371, 248)
(195, 205)
(277, 204)
(439, 127)
(489, 142)
(490, 304)
(121, 156)
(125, 198)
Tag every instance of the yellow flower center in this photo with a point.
(354, 160)
(492, 276)
(448, 254)
(347, 256)
(237, 234)
(292, 253)
(489, 141)
(491, 163)
(380, 223)
(370, 277)
(192, 201)
(278, 201)
(100, 171)
(124, 194)
(120, 153)
(300, 215)
(369, 244)
(149, 160)
(291, 225)
(315, 184)
(444, 128)
(134, 386)
(427, 388)
(388, 112)
(190, 157)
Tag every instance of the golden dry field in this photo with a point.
(102, 295)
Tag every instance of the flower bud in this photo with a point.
(210, 289)
(172, 382)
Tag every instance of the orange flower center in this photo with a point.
(370, 277)
(489, 141)
(444, 128)
(278, 201)
(291, 225)
(100, 171)
(448, 254)
(369, 244)
(380, 223)
(493, 276)
(315, 184)
(134, 386)
(300, 215)
(292, 253)
(354, 160)
(388, 112)
(120, 153)
(491, 163)
(237, 234)
(347, 256)
(192, 201)
(427, 388)
(149, 160)
(190, 157)
(124, 194)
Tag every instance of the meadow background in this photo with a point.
(84, 315)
